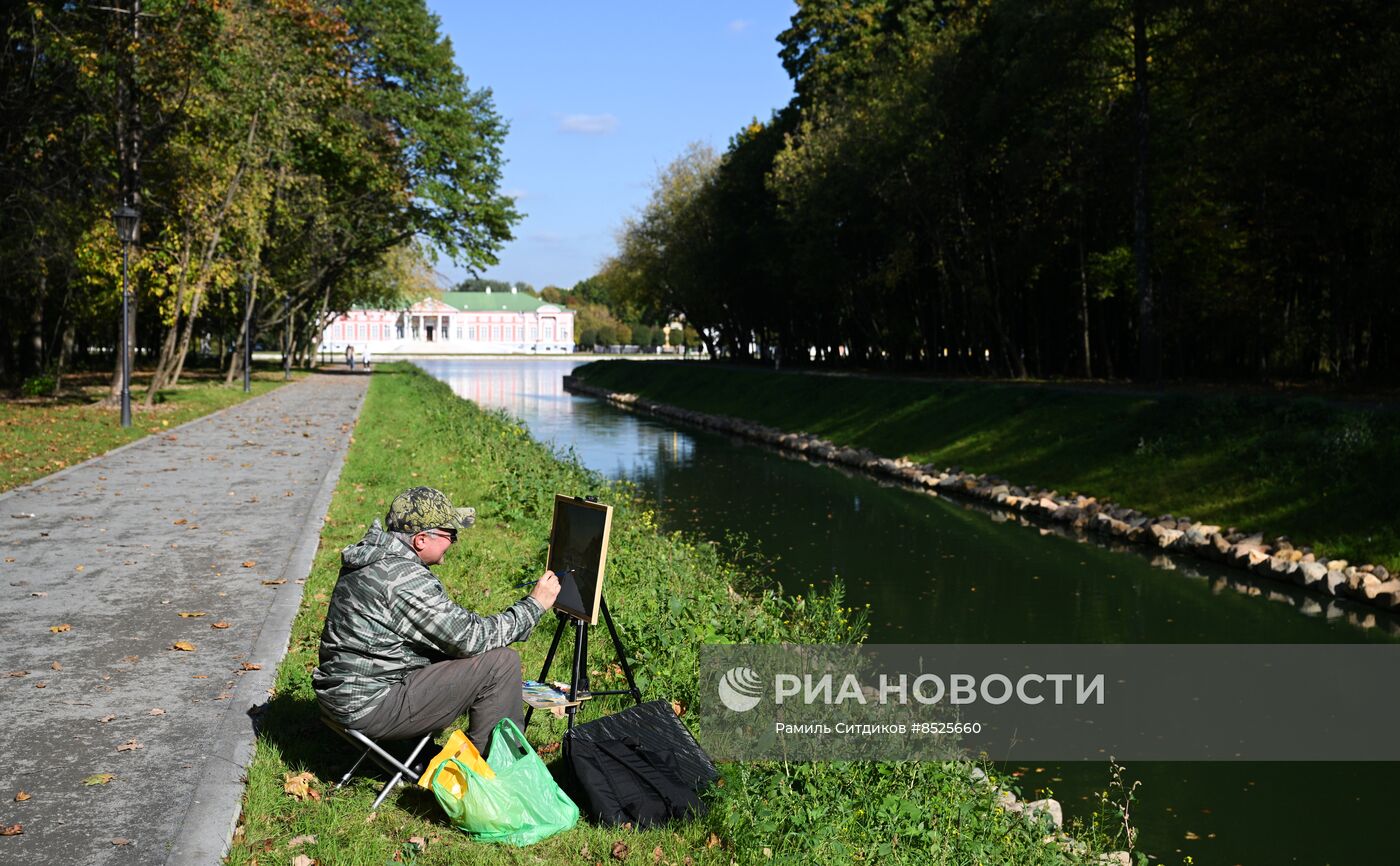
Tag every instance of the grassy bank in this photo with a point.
(669, 594)
(1298, 466)
(41, 435)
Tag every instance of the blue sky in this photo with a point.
(599, 97)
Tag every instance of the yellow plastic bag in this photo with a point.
(461, 748)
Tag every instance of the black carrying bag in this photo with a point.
(621, 782)
(640, 766)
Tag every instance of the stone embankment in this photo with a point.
(1277, 558)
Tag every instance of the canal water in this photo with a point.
(936, 570)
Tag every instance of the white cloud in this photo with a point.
(739, 25)
(588, 124)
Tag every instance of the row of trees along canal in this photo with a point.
(1110, 188)
(304, 151)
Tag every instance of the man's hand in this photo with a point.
(546, 590)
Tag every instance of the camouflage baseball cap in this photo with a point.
(420, 508)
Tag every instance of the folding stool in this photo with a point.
(399, 770)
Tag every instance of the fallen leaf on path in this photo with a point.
(298, 841)
(120, 841)
(12, 559)
(303, 860)
(38, 595)
(41, 685)
(250, 666)
(78, 568)
(418, 842)
(22, 796)
(99, 779)
(183, 646)
(181, 522)
(278, 582)
(56, 666)
(131, 660)
(249, 563)
(199, 676)
(620, 850)
(19, 673)
(192, 613)
(130, 746)
(219, 624)
(106, 718)
(157, 711)
(60, 627)
(12, 830)
(299, 785)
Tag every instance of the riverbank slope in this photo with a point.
(1301, 467)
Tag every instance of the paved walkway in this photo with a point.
(221, 515)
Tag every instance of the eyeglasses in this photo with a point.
(449, 534)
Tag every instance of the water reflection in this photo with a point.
(617, 444)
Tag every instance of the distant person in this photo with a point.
(364, 356)
(350, 357)
(399, 657)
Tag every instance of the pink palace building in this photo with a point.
(462, 323)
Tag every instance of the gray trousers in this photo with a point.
(485, 686)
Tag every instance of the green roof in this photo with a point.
(485, 302)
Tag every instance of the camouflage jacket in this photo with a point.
(389, 616)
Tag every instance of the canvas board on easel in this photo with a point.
(578, 553)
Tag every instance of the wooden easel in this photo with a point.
(579, 690)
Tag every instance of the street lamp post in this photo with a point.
(128, 220)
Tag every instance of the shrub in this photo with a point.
(39, 386)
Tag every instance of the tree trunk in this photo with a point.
(1149, 347)
(166, 359)
(35, 359)
(184, 348)
(65, 354)
(66, 337)
(235, 366)
(1087, 371)
(129, 143)
(125, 342)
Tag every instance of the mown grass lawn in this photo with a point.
(1302, 466)
(669, 594)
(41, 435)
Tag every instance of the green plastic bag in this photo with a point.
(520, 806)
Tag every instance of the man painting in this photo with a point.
(398, 657)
